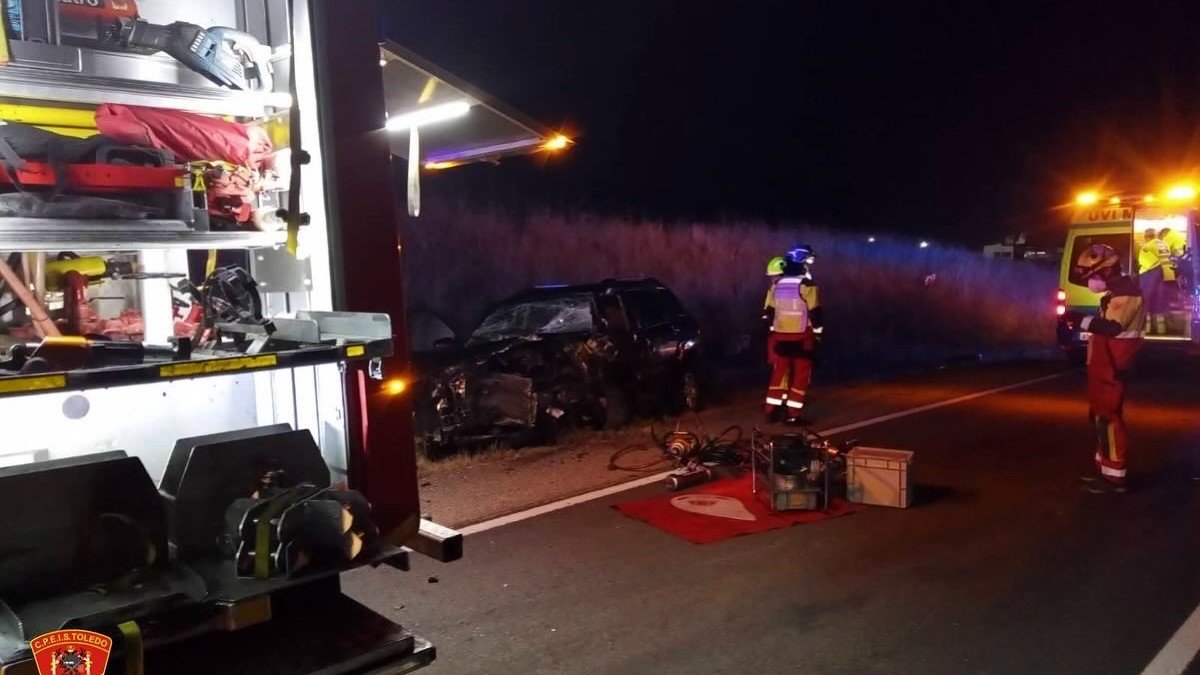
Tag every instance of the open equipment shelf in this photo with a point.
(326, 337)
(200, 365)
(38, 82)
(52, 60)
(197, 366)
(80, 235)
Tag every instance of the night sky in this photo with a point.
(961, 121)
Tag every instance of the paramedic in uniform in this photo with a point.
(1116, 336)
(792, 313)
(1175, 273)
(1153, 256)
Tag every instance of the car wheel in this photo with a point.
(616, 407)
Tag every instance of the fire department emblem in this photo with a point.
(71, 652)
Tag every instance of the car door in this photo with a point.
(657, 320)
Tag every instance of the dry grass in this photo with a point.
(573, 439)
(459, 461)
(460, 259)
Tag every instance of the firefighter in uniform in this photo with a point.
(1116, 336)
(775, 267)
(792, 311)
(804, 255)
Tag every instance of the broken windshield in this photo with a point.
(559, 314)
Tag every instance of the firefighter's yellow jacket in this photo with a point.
(793, 305)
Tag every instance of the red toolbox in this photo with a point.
(99, 178)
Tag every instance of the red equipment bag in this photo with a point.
(189, 136)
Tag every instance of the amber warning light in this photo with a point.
(1181, 193)
(557, 142)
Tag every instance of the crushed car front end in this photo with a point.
(474, 407)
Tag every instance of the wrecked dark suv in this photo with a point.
(556, 357)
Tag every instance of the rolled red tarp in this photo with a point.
(189, 136)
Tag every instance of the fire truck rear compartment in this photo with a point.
(100, 546)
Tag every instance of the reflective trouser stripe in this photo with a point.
(1109, 471)
(774, 401)
(795, 404)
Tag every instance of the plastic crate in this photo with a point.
(879, 477)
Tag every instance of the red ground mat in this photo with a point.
(720, 510)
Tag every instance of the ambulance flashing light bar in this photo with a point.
(1177, 194)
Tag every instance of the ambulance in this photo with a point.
(1121, 220)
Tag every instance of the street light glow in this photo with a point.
(1086, 198)
(924, 244)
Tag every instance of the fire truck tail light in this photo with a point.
(1062, 296)
(1060, 310)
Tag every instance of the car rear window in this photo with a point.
(1119, 242)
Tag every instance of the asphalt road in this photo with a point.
(514, 480)
(1003, 565)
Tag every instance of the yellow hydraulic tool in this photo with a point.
(94, 268)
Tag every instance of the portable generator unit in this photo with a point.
(791, 471)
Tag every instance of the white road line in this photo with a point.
(940, 404)
(561, 504)
(647, 480)
(1179, 651)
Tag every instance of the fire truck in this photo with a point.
(1121, 220)
(203, 410)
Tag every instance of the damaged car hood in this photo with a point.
(504, 387)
